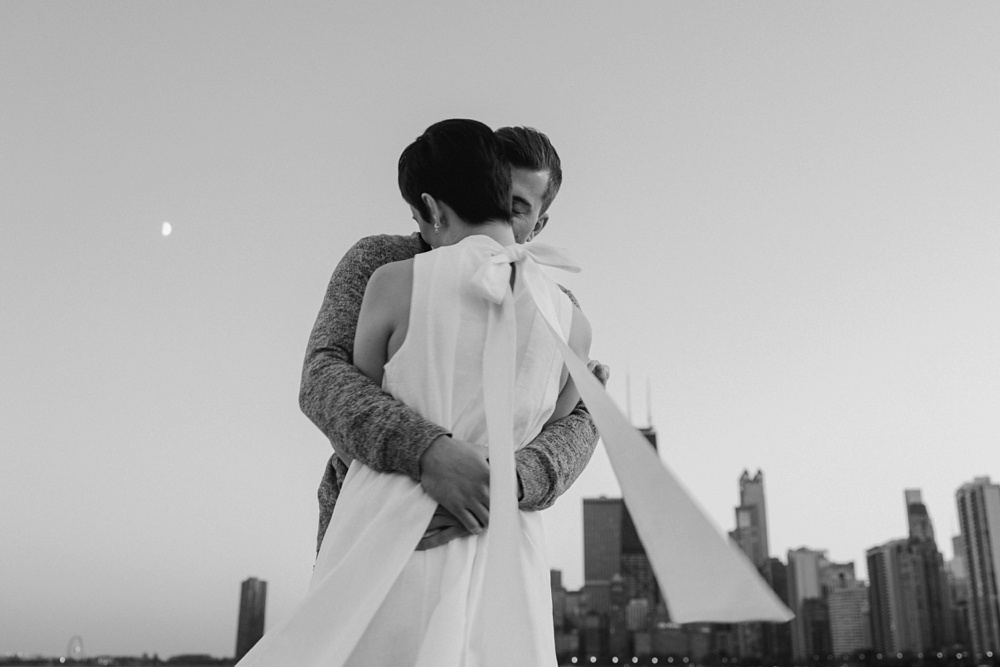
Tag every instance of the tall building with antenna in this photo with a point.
(619, 584)
(751, 520)
(750, 535)
(611, 546)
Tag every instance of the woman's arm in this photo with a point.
(374, 326)
(384, 308)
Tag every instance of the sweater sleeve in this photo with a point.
(355, 414)
(550, 463)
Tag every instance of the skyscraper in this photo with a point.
(616, 571)
(253, 595)
(804, 583)
(979, 518)
(811, 580)
(602, 548)
(918, 520)
(750, 535)
(929, 580)
(751, 520)
(611, 546)
(958, 583)
(778, 636)
(889, 629)
(849, 625)
(909, 591)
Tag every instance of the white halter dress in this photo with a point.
(480, 360)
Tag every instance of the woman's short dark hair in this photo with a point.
(460, 162)
(527, 148)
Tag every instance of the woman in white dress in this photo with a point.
(462, 335)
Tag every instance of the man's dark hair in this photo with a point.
(460, 162)
(527, 148)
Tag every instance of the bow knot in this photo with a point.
(492, 279)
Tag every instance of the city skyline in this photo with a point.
(915, 601)
(617, 551)
(786, 216)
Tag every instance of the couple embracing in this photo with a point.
(438, 378)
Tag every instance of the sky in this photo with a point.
(788, 216)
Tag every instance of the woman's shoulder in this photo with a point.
(391, 280)
(394, 269)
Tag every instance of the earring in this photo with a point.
(437, 227)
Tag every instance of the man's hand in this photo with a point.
(600, 371)
(444, 527)
(457, 475)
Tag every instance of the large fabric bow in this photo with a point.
(492, 280)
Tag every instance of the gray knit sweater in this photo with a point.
(373, 427)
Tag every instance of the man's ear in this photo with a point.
(539, 226)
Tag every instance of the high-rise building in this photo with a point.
(778, 636)
(602, 549)
(558, 600)
(751, 520)
(618, 639)
(637, 571)
(815, 621)
(917, 518)
(750, 535)
(804, 583)
(958, 584)
(889, 629)
(979, 518)
(929, 581)
(616, 572)
(611, 546)
(849, 625)
(811, 579)
(909, 599)
(846, 601)
(253, 596)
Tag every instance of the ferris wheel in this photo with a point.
(74, 650)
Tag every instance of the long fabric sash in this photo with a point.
(703, 575)
(506, 586)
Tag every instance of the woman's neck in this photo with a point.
(498, 230)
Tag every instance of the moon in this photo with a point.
(166, 229)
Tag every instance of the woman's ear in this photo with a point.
(435, 212)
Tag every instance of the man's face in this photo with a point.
(528, 187)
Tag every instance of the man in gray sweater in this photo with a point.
(370, 425)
